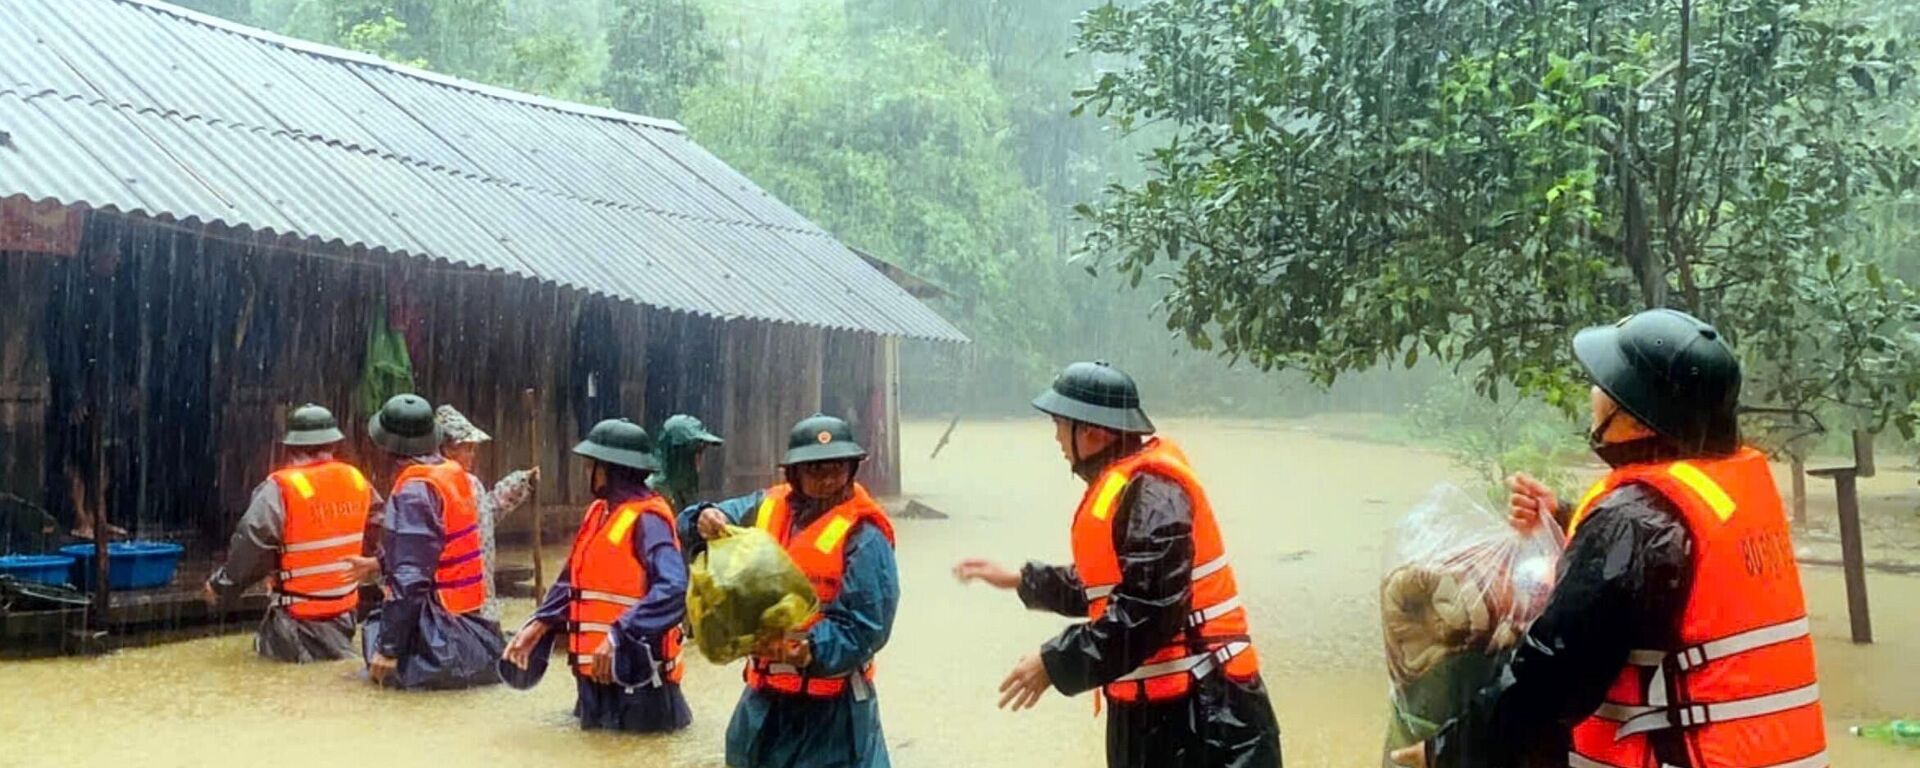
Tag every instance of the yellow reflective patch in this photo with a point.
(359, 480)
(836, 530)
(763, 519)
(1586, 505)
(301, 484)
(1109, 490)
(1704, 487)
(1593, 495)
(618, 531)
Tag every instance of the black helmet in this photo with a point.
(405, 427)
(1099, 394)
(821, 438)
(621, 442)
(311, 425)
(1672, 372)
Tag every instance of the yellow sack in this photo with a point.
(742, 590)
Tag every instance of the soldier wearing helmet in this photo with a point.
(811, 702)
(620, 597)
(303, 524)
(1677, 634)
(1165, 636)
(429, 633)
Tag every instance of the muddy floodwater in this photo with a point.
(1304, 513)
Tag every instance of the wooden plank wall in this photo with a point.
(23, 373)
(267, 325)
(772, 379)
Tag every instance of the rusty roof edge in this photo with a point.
(355, 57)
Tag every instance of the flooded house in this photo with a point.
(203, 225)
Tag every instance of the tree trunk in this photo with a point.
(1636, 247)
(1672, 201)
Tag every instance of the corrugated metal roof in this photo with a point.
(138, 106)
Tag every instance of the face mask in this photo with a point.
(1628, 452)
(1597, 437)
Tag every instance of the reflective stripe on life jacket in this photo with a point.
(326, 507)
(459, 582)
(820, 550)
(1739, 690)
(608, 579)
(1215, 636)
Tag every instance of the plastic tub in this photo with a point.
(38, 569)
(130, 564)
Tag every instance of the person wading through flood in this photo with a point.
(683, 440)
(620, 596)
(302, 526)
(810, 701)
(1165, 640)
(1677, 632)
(429, 632)
(460, 441)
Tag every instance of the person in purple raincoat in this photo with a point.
(620, 598)
(428, 633)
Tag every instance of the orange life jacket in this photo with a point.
(460, 579)
(608, 580)
(326, 521)
(1739, 690)
(1215, 636)
(821, 552)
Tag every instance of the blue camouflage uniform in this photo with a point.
(774, 730)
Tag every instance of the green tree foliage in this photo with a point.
(898, 147)
(553, 64)
(1496, 437)
(1350, 183)
(657, 51)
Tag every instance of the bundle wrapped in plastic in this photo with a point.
(745, 590)
(1461, 586)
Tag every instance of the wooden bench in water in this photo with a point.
(134, 618)
(167, 614)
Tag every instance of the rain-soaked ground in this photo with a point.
(1304, 514)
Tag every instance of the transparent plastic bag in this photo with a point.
(744, 590)
(1459, 589)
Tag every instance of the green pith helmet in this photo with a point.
(821, 438)
(620, 442)
(405, 427)
(1672, 372)
(1099, 394)
(311, 425)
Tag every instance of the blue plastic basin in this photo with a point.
(39, 569)
(130, 564)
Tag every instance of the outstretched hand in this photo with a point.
(1025, 684)
(980, 569)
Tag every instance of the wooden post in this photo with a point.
(102, 597)
(532, 404)
(1799, 491)
(1853, 557)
